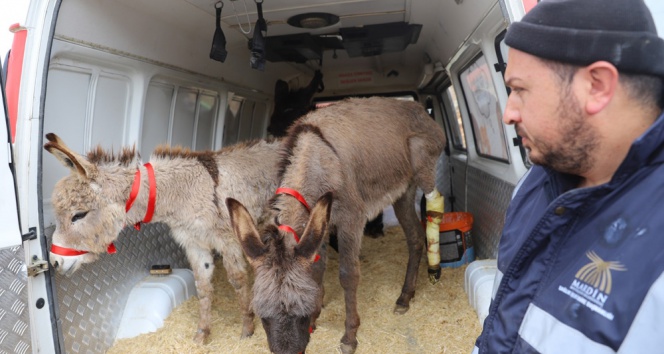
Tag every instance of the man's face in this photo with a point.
(548, 115)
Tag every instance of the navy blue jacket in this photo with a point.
(582, 269)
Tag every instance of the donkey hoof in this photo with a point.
(401, 309)
(347, 348)
(201, 336)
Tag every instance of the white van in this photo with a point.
(123, 72)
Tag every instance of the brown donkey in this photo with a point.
(364, 154)
(180, 188)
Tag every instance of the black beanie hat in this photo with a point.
(581, 32)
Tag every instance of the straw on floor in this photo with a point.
(440, 319)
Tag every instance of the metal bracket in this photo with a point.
(31, 235)
(37, 266)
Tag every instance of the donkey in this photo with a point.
(178, 187)
(351, 159)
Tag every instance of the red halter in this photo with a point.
(152, 197)
(300, 198)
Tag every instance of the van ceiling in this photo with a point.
(444, 26)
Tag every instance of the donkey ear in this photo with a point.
(75, 162)
(244, 229)
(316, 228)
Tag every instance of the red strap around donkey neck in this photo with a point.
(300, 198)
(295, 194)
(64, 251)
(152, 197)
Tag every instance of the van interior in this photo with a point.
(203, 74)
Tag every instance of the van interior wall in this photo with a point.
(111, 60)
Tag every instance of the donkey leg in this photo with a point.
(236, 269)
(202, 265)
(404, 209)
(318, 271)
(349, 276)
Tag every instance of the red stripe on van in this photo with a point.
(14, 70)
(529, 4)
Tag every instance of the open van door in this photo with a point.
(10, 232)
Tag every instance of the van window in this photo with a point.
(207, 114)
(191, 123)
(245, 119)
(450, 108)
(484, 109)
(232, 120)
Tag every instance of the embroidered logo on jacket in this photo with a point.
(592, 284)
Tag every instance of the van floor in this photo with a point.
(440, 319)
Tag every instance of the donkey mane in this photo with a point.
(126, 157)
(289, 144)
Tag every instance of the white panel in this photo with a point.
(183, 119)
(66, 107)
(247, 116)
(258, 124)
(232, 121)
(207, 112)
(156, 117)
(111, 105)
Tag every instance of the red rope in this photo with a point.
(295, 194)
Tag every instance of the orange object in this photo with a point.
(460, 220)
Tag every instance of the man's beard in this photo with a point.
(572, 152)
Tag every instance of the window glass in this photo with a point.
(232, 120)
(190, 122)
(247, 115)
(157, 117)
(484, 109)
(258, 123)
(110, 110)
(207, 113)
(453, 114)
(184, 118)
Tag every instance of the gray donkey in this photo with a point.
(178, 187)
(352, 158)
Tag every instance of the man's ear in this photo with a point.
(602, 77)
(76, 163)
(245, 230)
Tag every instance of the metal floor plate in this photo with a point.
(14, 314)
(91, 302)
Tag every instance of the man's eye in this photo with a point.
(79, 216)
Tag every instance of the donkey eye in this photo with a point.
(79, 216)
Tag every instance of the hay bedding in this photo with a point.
(440, 319)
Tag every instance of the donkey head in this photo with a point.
(285, 292)
(88, 219)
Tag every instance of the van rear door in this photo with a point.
(10, 232)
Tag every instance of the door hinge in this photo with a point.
(37, 266)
